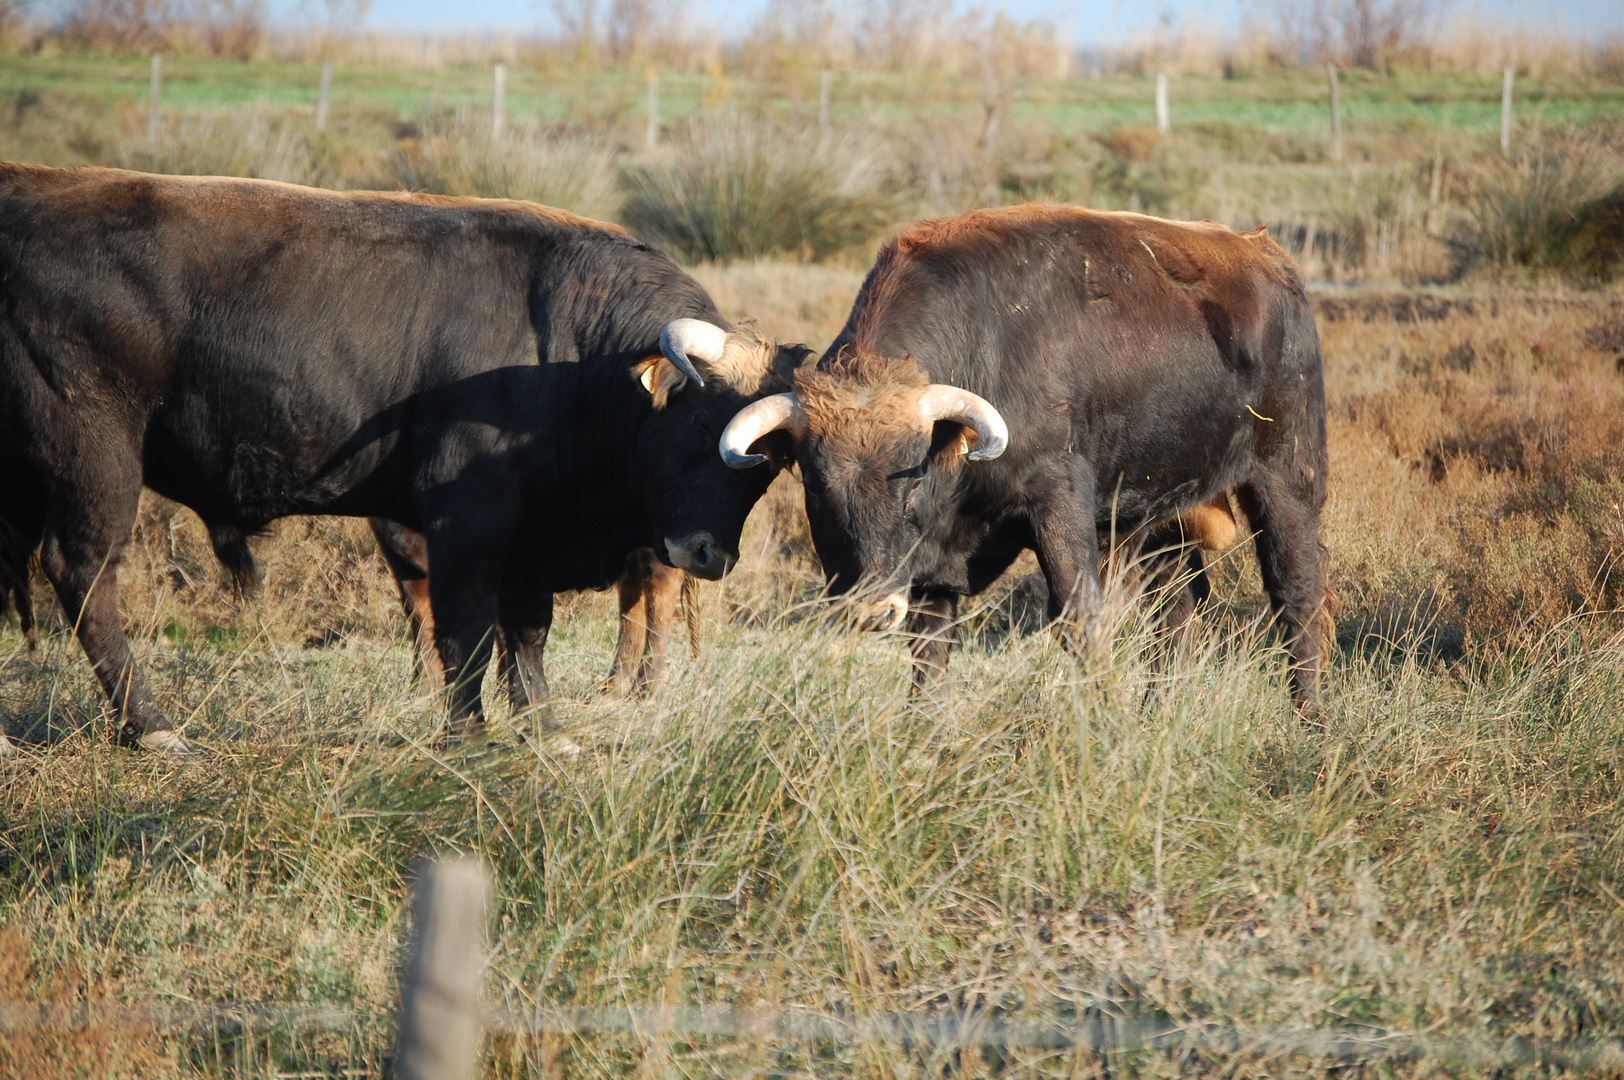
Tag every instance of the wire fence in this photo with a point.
(1096, 1030)
(439, 1022)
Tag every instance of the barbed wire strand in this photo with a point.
(1098, 1032)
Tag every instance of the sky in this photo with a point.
(1090, 24)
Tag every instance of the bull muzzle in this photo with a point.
(884, 614)
(700, 555)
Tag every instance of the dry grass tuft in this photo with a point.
(68, 1034)
(1558, 206)
(737, 190)
(461, 156)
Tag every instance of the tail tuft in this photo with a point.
(689, 599)
(231, 548)
(16, 566)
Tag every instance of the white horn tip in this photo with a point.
(739, 461)
(695, 337)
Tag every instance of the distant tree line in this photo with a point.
(791, 35)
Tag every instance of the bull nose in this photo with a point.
(700, 555)
(884, 614)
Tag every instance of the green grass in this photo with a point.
(782, 828)
(1285, 102)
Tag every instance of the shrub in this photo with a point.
(1554, 208)
(1143, 173)
(251, 143)
(462, 157)
(738, 191)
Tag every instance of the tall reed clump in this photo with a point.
(738, 190)
(463, 156)
(1557, 207)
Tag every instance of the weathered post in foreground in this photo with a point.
(1164, 123)
(324, 99)
(499, 105)
(1505, 111)
(153, 97)
(445, 963)
(1336, 114)
(653, 108)
(826, 84)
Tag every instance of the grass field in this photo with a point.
(1423, 193)
(1152, 839)
(1283, 102)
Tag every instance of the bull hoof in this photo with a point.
(163, 742)
(466, 735)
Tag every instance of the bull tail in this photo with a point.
(231, 548)
(689, 599)
(22, 527)
(16, 566)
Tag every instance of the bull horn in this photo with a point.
(944, 402)
(704, 340)
(777, 412)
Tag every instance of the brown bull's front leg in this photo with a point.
(1067, 546)
(931, 621)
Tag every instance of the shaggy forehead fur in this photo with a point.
(747, 360)
(862, 403)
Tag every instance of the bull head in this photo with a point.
(869, 434)
(783, 412)
(698, 382)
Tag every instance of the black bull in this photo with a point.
(468, 368)
(1121, 369)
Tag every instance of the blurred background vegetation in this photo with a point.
(818, 128)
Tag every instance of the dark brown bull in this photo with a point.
(536, 393)
(1042, 377)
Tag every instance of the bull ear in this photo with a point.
(659, 379)
(950, 443)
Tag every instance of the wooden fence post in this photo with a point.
(1336, 113)
(323, 100)
(499, 106)
(653, 78)
(153, 96)
(445, 963)
(1164, 123)
(826, 84)
(1505, 111)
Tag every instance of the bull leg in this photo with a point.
(526, 615)
(1175, 579)
(88, 524)
(662, 587)
(426, 664)
(1067, 546)
(406, 553)
(633, 639)
(463, 596)
(930, 621)
(1286, 522)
